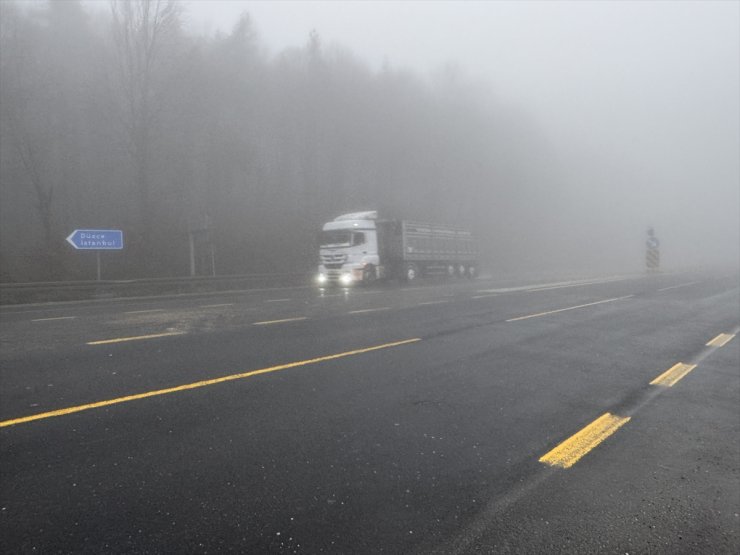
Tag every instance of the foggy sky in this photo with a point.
(638, 101)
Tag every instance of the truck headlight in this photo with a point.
(321, 279)
(346, 279)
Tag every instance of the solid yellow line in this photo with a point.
(568, 308)
(671, 376)
(135, 338)
(576, 446)
(721, 340)
(279, 321)
(199, 384)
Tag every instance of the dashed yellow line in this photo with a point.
(203, 383)
(721, 340)
(134, 338)
(281, 321)
(671, 376)
(576, 446)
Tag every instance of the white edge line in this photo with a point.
(565, 286)
(55, 318)
(556, 285)
(568, 308)
(677, 286)
(144, 311)
(369, 310)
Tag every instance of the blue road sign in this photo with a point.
(96, 239)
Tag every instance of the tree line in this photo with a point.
(123, 120)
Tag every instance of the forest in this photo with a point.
(120, 119)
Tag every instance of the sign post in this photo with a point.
(652, 252)
(97, 240)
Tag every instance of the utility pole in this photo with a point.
(200, 239)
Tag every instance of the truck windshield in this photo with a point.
(335, 237)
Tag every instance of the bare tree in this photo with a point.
(140, 30)
(23, 114)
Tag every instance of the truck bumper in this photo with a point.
(345, 276)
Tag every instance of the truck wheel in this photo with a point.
(369, 274)
(410, 272)
(472, 271)
(461, 271)
(450, 270)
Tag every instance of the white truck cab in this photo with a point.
(348, 249)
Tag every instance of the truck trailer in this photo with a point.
(360, 248)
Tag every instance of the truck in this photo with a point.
(359, 248)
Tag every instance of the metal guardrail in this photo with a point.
(37, 292)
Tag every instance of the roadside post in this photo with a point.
(200, 241)
(652, 252)
(97, 240)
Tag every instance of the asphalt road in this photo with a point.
(596, 415)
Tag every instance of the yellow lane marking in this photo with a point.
(427, 303)
(277, 300)
(568, 308)
(135, 338)
(203, 383)
(678, 286)
(485, 296)
(721, 340)
(576, 446)
(369, 310)
(671, 376)
(216, 305)
(144, 311)
(268, 322)
(56, 318)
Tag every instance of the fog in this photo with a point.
(558, 131)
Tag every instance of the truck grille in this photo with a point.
(333, 258)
